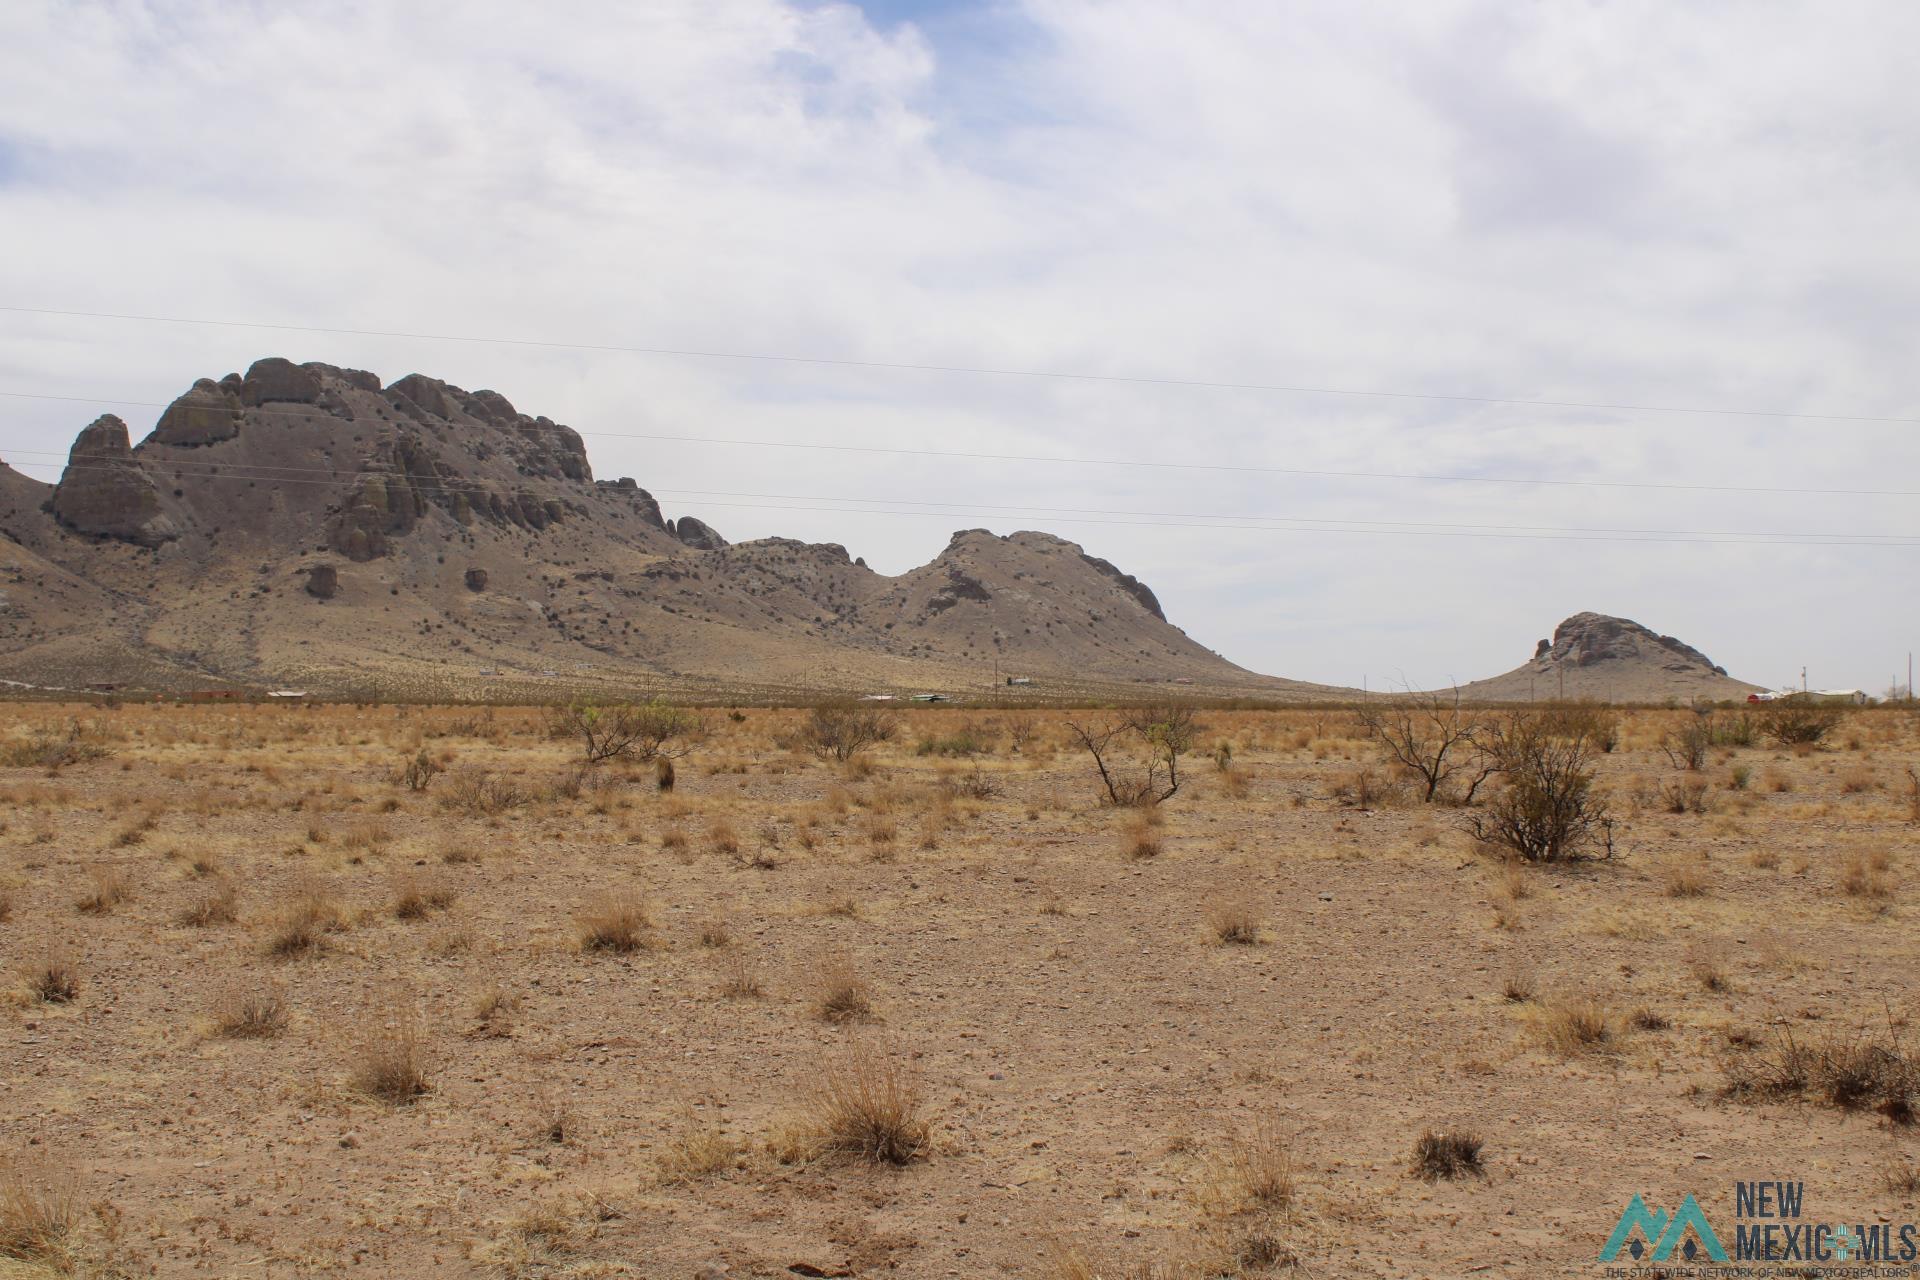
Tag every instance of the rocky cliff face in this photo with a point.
(1593, 655)
(1588, 639)
(314, 526)
(104, 493)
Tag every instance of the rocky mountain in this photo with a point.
(308, 526)
(1592, 655)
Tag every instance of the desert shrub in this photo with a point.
(419, 772)
(47, 748)
(52, 979)
(630, 731)
(1594, 723)
(1545, 809)
(1850, 1072)
(1137, 755)
(842, 730)
(1687, 795)
(1686, 745)
(968, 740)
(1797, 721)
(480, 794)
(1451, 1153)
(1735, 730)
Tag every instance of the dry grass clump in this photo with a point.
(6, 906)
(493, 1012)
(217, 903)
(1450, 1153)
(699, 1148)
(842, 994)
(1253, 1173)
(1708, 964)
(715, 932)
(1234, 923)
(38, 1214)
(107, 889)
(391, 1065)
(740, 981)
(1520, 985)
(1865, 875)
(250, 1015)
(1685, 882)
(621, 926)
(416, 899)
(1851, 1072)
(1900, 1177)
(301, 926)
(1576, 1025)
(1140, 835)
(52, 979)
(867, 1104)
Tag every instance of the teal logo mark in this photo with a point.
(1641, 1228)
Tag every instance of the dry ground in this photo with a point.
(463, 1084)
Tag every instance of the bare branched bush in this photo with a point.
(642, 731)
(1137, 755)
(842, 730)
(1431, 737)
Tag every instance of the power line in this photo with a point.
(980, 370)
(961, 511)
(287, 474)
(1144, 463)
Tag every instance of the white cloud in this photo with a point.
(1638, 203)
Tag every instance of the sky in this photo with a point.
(1463, 205)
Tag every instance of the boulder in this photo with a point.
(104, 492)
(276, 379)
(698, 534)
(429, 394)
(476, 579)
(207, 414)
(323, 582)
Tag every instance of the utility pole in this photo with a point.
(1803, 679)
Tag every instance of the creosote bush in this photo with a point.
(842, 730)
(643, 731)
(1545, 809)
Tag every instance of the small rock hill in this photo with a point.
(1595, 656)
(306, 525)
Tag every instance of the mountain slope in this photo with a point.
(305, 525)
(1595, 656)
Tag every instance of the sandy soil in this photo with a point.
(1099, 1071)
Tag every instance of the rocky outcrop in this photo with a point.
(276, 379)
(323, 582)
(698, 534)
(104, 492)
(428, 394)
(207, 414)
(1587, 639)
(644, 504)
(1129, 584)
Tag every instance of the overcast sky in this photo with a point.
(1625, 203)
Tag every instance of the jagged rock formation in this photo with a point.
(318, 528)
(698, 534)
(104, 492)
(1593, 655)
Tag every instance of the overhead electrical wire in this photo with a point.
(977, 370)
(1155, 464)
(1094, 516)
